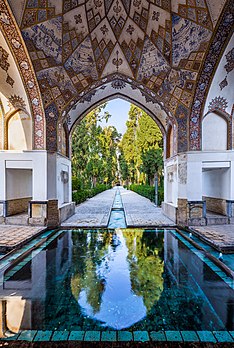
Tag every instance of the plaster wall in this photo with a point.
(19, 183)
(20, 132)
(196, 174)
(36, 161)
(171, 181)
(214, 132)
(64, 190)
(211, 174)
(216, 183)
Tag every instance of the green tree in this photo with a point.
(94, 150)
(142, 135)
(152, 164)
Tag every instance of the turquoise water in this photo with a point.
(131, 279)
(117, 216)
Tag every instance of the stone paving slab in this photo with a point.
(95, 212)
(12, 236)
(220, 237)
(141, 212)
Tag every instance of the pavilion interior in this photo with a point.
(61, 58)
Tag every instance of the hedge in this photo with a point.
(80, 196)
(148, 192)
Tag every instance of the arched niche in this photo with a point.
(18, 131)
(214, 132)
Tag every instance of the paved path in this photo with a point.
(12, 236)
(139, 211)
(219, 236)
(94, 212)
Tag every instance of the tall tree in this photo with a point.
(142, 135)
(94, 149)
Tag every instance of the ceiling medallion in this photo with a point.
(118, 84)
(117, 61)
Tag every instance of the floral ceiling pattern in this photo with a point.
(75, 44)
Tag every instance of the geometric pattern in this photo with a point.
(15, 42)
(216, 48)
(160, 44)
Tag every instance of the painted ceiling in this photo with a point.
(76, 44)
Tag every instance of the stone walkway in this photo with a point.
(141, 212)
(12, 236)
(221, 237)
(94, 212)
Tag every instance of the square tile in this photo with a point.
(92, 336)
(173, 336)
(125, 336)
(76, 336)
(27, 335)
(60, 336)
(141, 336)
(206, 336)
(189, 336)
(157, 336)
(43, 336)
(223, 336)
(109, 336)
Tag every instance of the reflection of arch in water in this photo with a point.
(117, 288)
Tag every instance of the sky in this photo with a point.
(118, 108)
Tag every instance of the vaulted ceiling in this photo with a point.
(159, 43)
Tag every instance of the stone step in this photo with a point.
(21, 219)
(220, 220)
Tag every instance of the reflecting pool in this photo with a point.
(115, 279)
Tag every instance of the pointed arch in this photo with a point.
(216, 48)
(11, 32)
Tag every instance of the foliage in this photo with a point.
(76, 183)
(96, 256)
(81, 195)
(140, 148)
(152, 162)
(94, 151)
(149, 191)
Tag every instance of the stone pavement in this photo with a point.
(95, 212)
(221, 237)
(141, 212)
(12, 236)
